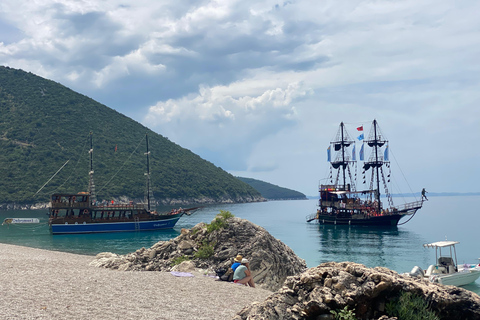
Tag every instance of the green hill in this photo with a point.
(273, 192)
(43, 124)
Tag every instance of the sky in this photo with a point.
(259, 88)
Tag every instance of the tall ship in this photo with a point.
(81, 213)
(340, 201)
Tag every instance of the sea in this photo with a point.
(398, 248)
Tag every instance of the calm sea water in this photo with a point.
(397, 248)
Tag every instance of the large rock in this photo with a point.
(271, 261)
(332, 286)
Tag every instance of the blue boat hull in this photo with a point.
(100, 227)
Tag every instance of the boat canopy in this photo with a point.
(441, 244)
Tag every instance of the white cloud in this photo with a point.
(216, 119)
(248, 84)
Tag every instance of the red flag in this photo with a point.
(115, 148)
(360, 128)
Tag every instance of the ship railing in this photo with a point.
(85, 205)
(64, 204)
(409, 206)
(348, 206)
(111, 207)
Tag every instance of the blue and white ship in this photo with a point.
(80, 213)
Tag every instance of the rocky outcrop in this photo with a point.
(271, 261)
(333, 286)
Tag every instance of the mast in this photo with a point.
(91, 184)
(342, 159)
(149, 193)
(343, 156)
(377, 167)
(376, 162)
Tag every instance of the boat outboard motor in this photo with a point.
(417, 272)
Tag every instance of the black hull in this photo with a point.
(388, 220)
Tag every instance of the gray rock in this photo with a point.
(271, 261)
(332, 286)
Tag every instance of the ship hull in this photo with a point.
(167, 222)
(390, 220)
(459, 278)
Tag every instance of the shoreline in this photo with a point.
(43, 284)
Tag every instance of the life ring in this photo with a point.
(73, 198)
(85, 211)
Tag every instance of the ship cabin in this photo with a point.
(341, 200)
(78, 206)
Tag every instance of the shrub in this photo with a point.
(410, 307)
(179, 260)
(205, 251)
(220, 221)
(344, 314)
(225, 214)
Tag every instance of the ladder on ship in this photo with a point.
(137, 224)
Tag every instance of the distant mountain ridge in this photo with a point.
(43, 125)
(273, 192)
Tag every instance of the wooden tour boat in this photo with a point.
(341, 202)
(81, 213)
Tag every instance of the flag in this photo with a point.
(354, 156)
(385, 154)
(361, 153)
(360, 137)
(360, 128)
(115, 148)
(328, 154)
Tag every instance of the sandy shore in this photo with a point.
(42, 284)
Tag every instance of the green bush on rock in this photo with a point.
(344, 314)
(179, 260)
(410, 307)
(205, 251)
(220, 221)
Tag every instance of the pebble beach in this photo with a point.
(42, 284)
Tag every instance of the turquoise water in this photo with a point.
(397, 248)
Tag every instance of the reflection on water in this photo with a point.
(390, 247)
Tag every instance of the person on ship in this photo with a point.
(423, 194)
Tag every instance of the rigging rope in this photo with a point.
(123, 165)
(403, 175)
(68, 178)
(76, 165)
(52, 177)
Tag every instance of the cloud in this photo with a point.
(220, 120)
(258, 86)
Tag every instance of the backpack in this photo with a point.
(227, 276)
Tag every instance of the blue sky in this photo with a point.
(260, 87)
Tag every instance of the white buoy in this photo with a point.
(20, 220)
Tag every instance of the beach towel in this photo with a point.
(181, 274)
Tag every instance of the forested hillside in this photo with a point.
(273, 192)
(44, 124)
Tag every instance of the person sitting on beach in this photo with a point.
(243, 275)
(237, 262)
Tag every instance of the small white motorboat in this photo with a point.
(446, 271)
